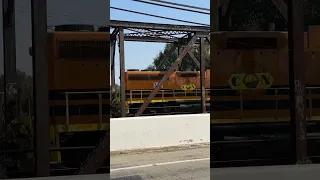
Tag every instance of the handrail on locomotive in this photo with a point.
(99, 93)
(162, 92)
(66, 94)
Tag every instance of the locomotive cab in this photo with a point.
(79, 87)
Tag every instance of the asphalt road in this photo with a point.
(174, 163)
(193, 163)
(291, 172)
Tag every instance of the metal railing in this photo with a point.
(67, 94)
(241, 95)
(98, 93)
(174, 93)
(276, 94)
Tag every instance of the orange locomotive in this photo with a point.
(78, 60)
(250, 79)
(180, 88)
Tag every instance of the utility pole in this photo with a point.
(297, 75)
(9, 38)
(40, 87)
(9, 50)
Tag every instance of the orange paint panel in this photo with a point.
(263, 57)
(77, 73)
(73, 73)
(146, 80)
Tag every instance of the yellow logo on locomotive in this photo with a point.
(188, 87)
(250, 81)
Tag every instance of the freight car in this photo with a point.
(250, 82)
(78, 61)
(182, 88)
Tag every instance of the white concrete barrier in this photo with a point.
(158, 131)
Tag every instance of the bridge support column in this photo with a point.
(122, 72)
(41, 91)
(297, 75)
(202, 75)
(113, 43)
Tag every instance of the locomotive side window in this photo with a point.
(83, 50)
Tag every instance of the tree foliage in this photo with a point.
(255, 14)
(18, 121)
(187, 62)
(115, 106)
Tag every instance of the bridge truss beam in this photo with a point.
(180, 35)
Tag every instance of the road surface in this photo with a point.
(291, 172)
(191, 162)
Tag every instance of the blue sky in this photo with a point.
(139, 55)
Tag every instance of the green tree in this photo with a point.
(115, 105)
(187, 62)
(18, 120)
(255, 14)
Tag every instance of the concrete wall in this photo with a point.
(159, 131)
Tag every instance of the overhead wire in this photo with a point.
(76, 19)
(172, 7)
(81, 19)
(157, 16)
(24, 9)
(181, 5)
